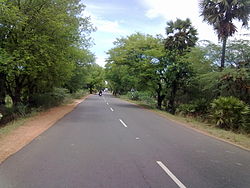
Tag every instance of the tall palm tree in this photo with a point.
(181, 35)
(221, 14)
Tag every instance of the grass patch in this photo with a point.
(236, 138)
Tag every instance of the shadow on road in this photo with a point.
(126, 106)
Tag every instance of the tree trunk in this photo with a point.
(171, 105)
(90, 90)
(2, 89)
(2, 98)
(160, 97)
(16, 97)
(223, 52)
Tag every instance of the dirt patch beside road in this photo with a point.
(21, 136)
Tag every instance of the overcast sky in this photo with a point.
(116, 18)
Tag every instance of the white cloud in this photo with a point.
(172, 9)
(109, 26)
(102, 24)
(100, 60)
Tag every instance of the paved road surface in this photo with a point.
(109, 143)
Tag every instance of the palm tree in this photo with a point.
(221, 14)
(181, 36)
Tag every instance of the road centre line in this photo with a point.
(112, 109)
(171, 175)
(107, 103)
(124, 124)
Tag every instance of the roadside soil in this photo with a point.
(33, 127)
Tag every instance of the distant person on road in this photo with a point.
(100, 93)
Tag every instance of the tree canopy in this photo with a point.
(42, 45)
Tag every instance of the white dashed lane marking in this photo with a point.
(124, 124)
(171, 175)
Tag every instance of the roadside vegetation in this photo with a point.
(179, 74)
(44, 55)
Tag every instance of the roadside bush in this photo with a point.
(79, 94)
(142, 96)
(11, 113)
(230, 113)
(133, 95)
(21, 109)
(146, 97)
(47, 100)
(197, 107)
(185, 109)
(246, 120)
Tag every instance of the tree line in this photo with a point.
(44, 45)
(188, 76)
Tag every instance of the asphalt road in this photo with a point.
(106, 142)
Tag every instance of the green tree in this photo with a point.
(181, 36)
(83, 59)
(221, 14)
(38, 38)
(119, 78)
(95, 77)
(139, 56)
(238, 53)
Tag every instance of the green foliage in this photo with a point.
(41, 41)
(238, 53)
(229, 113)
(79, 94)
(144, 96)
(11, 113)
(246, 120)
(81, 73)
(133, 95)
(43, 47)
(179, 73)
(181, 36)
(134, 62)
(21, 109)
(95, 77)
(148, 63)
(196, 108)
(186, 109)
(47, 100)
